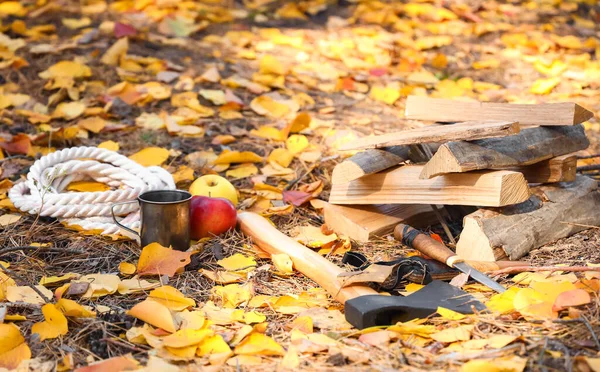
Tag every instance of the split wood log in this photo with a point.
(403, 186)
(552, 213)
(559, 169)
(363, 222)
(465, 131)
(528, 147)
(376, 160)
(369, 162)
(447, 110)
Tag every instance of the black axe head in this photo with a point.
(376, 310)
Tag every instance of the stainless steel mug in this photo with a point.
(165, 218)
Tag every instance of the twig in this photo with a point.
(13, 157)
(30, 247)
(580, 224)
(582, 319)
(12, 274)
(443, 223)
(588, 156)
(522, 269)
(309, 171)
(588, 168)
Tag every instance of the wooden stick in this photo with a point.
(308, 262)
(559, 169)
(528, 147)
(403, 186)
(467, 131)
(492, 234)
(522, 269)
(364, 222)
(447, 110)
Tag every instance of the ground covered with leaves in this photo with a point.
(264, 92)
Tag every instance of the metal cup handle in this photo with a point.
(112, 210)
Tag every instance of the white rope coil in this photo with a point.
(43, 191)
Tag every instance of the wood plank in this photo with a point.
(364, 222)
(497, 233)
(447, 110)
(528, 147)
(403, 186)
(559, 169)
(467, 131)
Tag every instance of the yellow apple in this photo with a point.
(215, 187)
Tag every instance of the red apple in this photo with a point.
(211, 216)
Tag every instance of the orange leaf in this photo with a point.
(13, 349)
(116, 364)
(55, 324)
(155, 314)
(20, 144)
(573, 297)
(158, 260)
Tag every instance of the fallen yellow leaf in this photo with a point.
(54, 325)
(136, 284)
(87, 186)
(13, 349)
(544, 86)
(237, 262)
(270, 65)
(126, 268)
(72, 308)
(296, 143)
(243, 171)
(462, 333)
(109, 145)
(449, 314)
(48, 280)
(231, 295)
(281, 156)
(507, 364)
(93, 124)
(9, 219)
(227, 157)
(171, 298)
(283, 263)
(155, 314)
(267, 106)
(100, 284)
(259, 344)
(66, 69)
(186, 337)
(27, 294)
(150, 156)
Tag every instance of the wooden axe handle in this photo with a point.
(308, 262)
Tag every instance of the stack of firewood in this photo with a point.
(514, 161)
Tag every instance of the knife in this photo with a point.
(425, 244)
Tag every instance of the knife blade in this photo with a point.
(415, 239)
(479, 276)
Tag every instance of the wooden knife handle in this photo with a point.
(305, 260)
(423, 243)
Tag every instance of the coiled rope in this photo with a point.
(44, 193)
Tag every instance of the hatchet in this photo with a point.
(363, 306)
